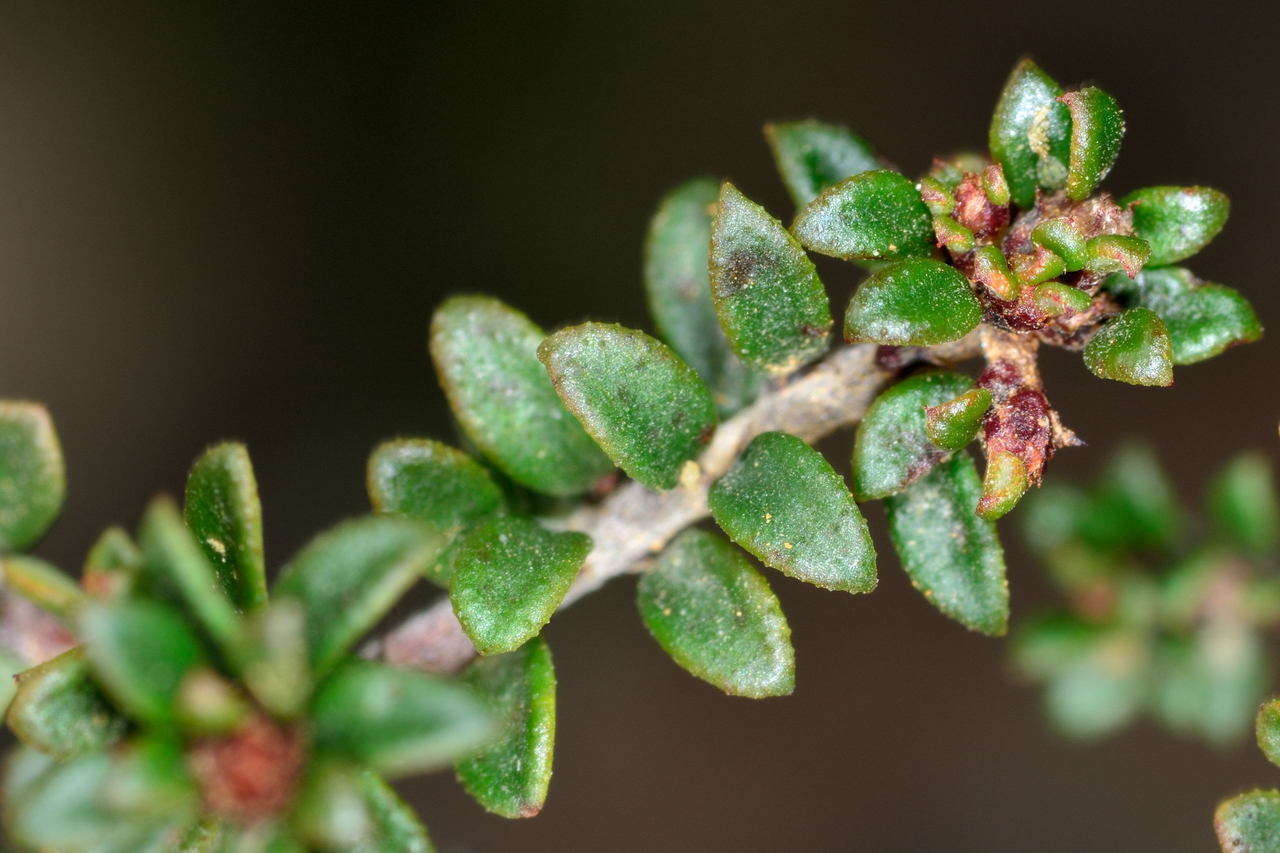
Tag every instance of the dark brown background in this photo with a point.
(234, 221)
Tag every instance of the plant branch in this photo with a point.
(633, 523)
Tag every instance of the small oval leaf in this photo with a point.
(1249, 823)
(486, 355)
(892, 448)
(1267, 727)
(783, 502)
(511, 574)
(638, 400)
(912, 303)
(1244, 506)
(955, 423)
(767, 294)
(32, 477)
(1030, 133)
(223, 511)
(510, 775)
(813, 155)
(678, 287)
(876, 215)
(1097, 126)
(717, 618)
(1133, 347)
(1177, 221)
(951, 555)
(58, 709)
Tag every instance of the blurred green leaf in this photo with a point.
(717, 618)
(511, 575)
(1267, 729)
(783, 502)
(112, 566)
(1132, 347)
(59, 710)
(140, 651)
(348, 577)
(912, 303)
(1211, 682)
(951, 555)
(813, 155)
(434, 484)
(32, 477)
(277, 669)
(678, 288)
(341, 807)
(876, 215)
(892, 448)
(1046, 646)
(1249, 823)
(642, 404)
(1177, 221)
(1133, 506)
(1101, 690)
(394, 824)
(397, 721)
(1097, 126)
(767, 294)
(486, 355)
(208, 704)
(48, 587)
(223, 511)
(1030, 133)
(1243, 504)
(510, 775)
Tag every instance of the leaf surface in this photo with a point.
(32, 476)
(59, 710)
(813, 155)
(224, 513)
(1133, 347)
(1030, 135)
(1177, 221)
(875, 215)
(912, 303)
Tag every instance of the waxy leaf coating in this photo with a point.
(486, 355)
(1030, 133)
(1097, 126)
(224, 513)
(1249, 823)
(1203, 319)
(509, 776)
(783, 502)
(813, 155)
(678, 286)
(397, 720)
(876, 215)
(434, 484)
(1132, 347)
(766, 291)
(716, 616)
(892, 448)
(59, 710)
(1177, 221)
(912, 303)
(642, 404)
(348, 577)
(951, 555)
(32, 477)
(510, 575)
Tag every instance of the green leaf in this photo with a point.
(176, 565)
(511, 576)
(32, 478)
(876, 215)
(912, 303)
(1097, 126)
(717, 618)
(1244, 506)
(955, 423)
(1053, 516)
(1249, 823)
(678, 287)
(813, 155)
(434, 484)
(1132, 347)
(1267, 728)
(209, 705)
(224, 513)
(47, 587)
(341, 807)
(767, 294)
(951, 555)
(394, 824)
(58, 709)
(509, 777)
(140, 651)
(1030, 133)
(1177, 221)
(277, 669)
(486, 355)
(1048, 645)
(1213, 681)
(1064, 238)
(348, 577)
(645, 407)
(1203, 319)
(1133, 506)
(112, 566)
(892, 448)
(1102, 690)
(397, 721)
(783, 502)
